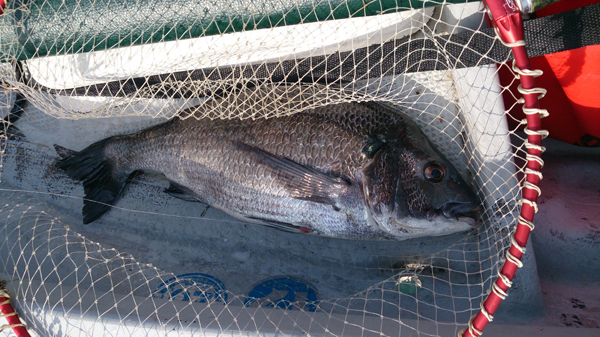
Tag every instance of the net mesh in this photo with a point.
(158, 266)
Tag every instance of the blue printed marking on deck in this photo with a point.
(294, 289)
(194, 287)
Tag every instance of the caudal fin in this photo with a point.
(101, 182)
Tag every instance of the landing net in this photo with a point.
(75, 72)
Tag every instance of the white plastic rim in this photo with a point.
(249, 47)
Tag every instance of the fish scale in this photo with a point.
(310, 171)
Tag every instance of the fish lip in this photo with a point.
(454, 209)
(469, 220)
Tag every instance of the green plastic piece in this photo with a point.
(34, 28)
(408, 287)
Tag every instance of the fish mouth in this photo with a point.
(459, 210)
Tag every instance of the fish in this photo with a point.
(347, 170)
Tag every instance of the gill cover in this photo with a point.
(378, 184)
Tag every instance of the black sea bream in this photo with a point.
(350, 170)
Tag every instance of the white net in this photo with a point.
(76, 72)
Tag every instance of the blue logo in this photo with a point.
(193, 287)
(283, 292)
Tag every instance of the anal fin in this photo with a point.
(180, 192)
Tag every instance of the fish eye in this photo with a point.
(434, 172)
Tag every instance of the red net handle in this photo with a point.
(509, 26)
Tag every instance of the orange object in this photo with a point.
(572, 79)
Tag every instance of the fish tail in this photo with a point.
(102, 182)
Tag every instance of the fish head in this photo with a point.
(413, 191)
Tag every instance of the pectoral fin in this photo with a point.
(304, 183)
